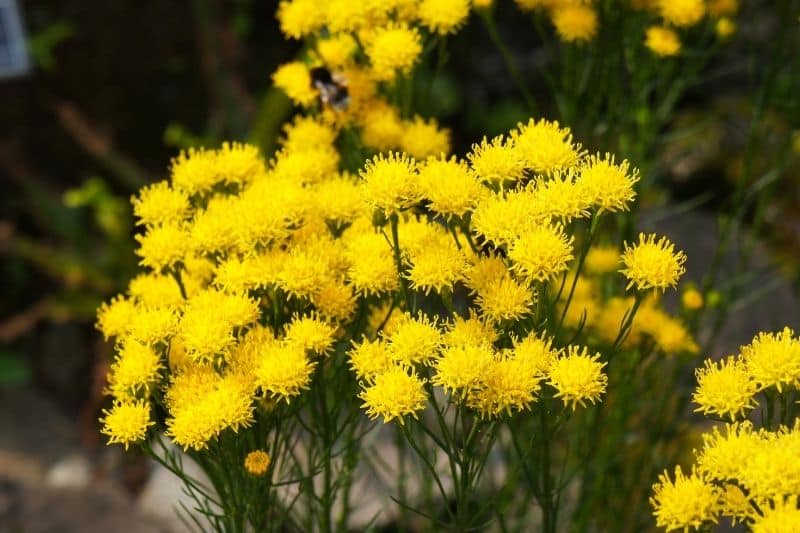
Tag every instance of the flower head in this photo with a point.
(162, 246)
(369, 358)
(136, 366)
(390, 182)
(295, 80)
(782, 515)
(424, 138)
(160, 203)
(575, 22)
(662, 41)
(299, 18)
(393, 48)
(578, 377)
(311, 333)
(452, 189)
(496, 161)
(652, 264)
(686, 502)
(443, 16)
(541, 253)
(257, 462)
(284, 370)
(460, 368)
(608, 185)
(394, 393)
(773, 359)
(544, 146)
(127, 422)
(415, 340)
(509, 383)
(504, 299)
(724, 389)
(681, 12)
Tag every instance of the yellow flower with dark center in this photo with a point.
(422, 138)
(541, 253)
(392, 49)
(159, 203)
(652, 264)
(724, 389)
(577, 377)
(496, 161)
(773, 359)
(390, 183)
(545, 147)
(443, 16)
(394, 394)
(687, 502)
(295, 80)
(257, 462)
(575, 22)
(127, 422)
(608, 185)
(450, 186)
(682, 12)
(662, 41)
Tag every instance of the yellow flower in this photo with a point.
(238, 163)
(560, 198)
(736, 505)
(485, 270)
(772, 469)
(424, 138)
(723, 454)
(437, 269)
(381, 126)
(662, 41)
(541, 253)
(415, 340)
(344, 15)
(602, 260)
(257, 462)
(682, 12)
(114, 318)
(162, 246)
(608, 185)
(531, 5)
(152, 325)
(472, 331)
(334, 301)
(295, 80)
(443, 16)
(575, 22)
(390, 183)
(338, 50)
(127, 422)
(783, 515)
(725, 27)
(194, 171)
(300, 18)
(508, 384)
(203, 404)
(504, 299)
(452, 189)
(652, 264)
(135, 367)
(394, 393)
(310, 333)
(159, 203)
(692, 299)
(372, 268)
(153, 290)
(369, 358)
(393, 48)
(496, 161)
(538, 353)
(307, 133)
(499, 218)
(773, 359)
(577, 377)
(687, 502)
(724, 389)
(283, 370)
(544, 146)
(460, 368)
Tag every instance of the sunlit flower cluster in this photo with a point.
(744, 471)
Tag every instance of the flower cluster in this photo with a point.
(747, 473)
(663, 21)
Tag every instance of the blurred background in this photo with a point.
(107, 92)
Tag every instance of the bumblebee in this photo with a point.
(332, 88)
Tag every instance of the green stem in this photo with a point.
(393, 221)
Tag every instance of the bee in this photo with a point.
(332, 88)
